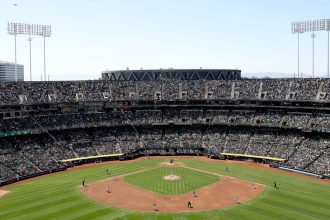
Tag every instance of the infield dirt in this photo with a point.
(3, 192)
(224, 193)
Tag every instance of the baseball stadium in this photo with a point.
(165, 144)
(164, 110)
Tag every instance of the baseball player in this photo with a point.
(83, 182)
(194, 193)
(189, 205)
(237, 200)
(154, 206)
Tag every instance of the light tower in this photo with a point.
(12, 30)
(30, 29)
(313, 37)
(296, 28)
(328, 29)
(30, 41)
(311, 26)
(46, 32)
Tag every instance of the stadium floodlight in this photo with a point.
(328, 29)
(29, 29)
(296, 28)
(311, 26)
(12, 30)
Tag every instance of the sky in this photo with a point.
(90, 36)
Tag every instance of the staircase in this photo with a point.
(296, 148)
(27, 160)
(312, 161)
(249, 143)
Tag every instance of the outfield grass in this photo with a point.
(190, 180)
(58, 196)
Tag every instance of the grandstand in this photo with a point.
(49, 126)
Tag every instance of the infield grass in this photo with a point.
(154, 180)
(58, 196)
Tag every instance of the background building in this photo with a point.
(172, 74)
(7, 72)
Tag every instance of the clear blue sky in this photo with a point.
(93, 35)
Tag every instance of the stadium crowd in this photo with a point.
(115, 118)
(54, 137)
(71, 91)
(25, 155)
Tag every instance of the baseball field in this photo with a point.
(62, 196)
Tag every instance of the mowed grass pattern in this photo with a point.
(58, 196)
(154, 180)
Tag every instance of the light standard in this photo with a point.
(30, 29)
(46, 32)
(313, 37)
(328, 29)
(296, 28)
(311, 26)
(12, 30)
(30, 41)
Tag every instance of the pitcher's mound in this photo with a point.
(168, 164)
(172, 177)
